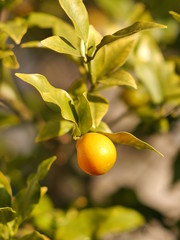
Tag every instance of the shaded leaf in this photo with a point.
(5, 198)
(134, 28)
(51, 94)
(99, 106)
(4, 181)
(26, 199)
(7, 214)
(76, 11)
(129, 139)
(118, 78)
(175, 15)
(15, 29)
(84, 114)
(53, 129)
(61, 45)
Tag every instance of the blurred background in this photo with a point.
(141, 180)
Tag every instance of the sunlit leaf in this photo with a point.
(128, 31)
(41, 20)
(110, 57)
(97, 64)
(4, 181)
(65, 30)
(32, 44)
(76, 11)
(118, 78)
(78, 87)
(98, 222)
(51, 94)
(149, 77)
(7, 214)
(84, 114)
(120, 219)
(60, 45)
(175, 15)
(34, 236)
(11, 62)
(15, 29)
(99, 106)
(53, 129)
(129, 139)
(102, 127)
(93, 39)
(117, 54)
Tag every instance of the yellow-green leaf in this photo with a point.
(76, 11)
(118, 78)
(61, 45)
(51, 94)
(129, 139)
(53, 129)
(15, 29)
(128, 31)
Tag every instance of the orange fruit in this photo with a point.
(96, 153)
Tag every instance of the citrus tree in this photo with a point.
(79, 111)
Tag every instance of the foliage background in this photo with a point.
(140, 180)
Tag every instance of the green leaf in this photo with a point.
(102, 127)
(118, 78)
(128, 31)
(84, 114)
(119, 220)
(7, 214)
(117, 54)
(5, 199)
(34, 236)
(129, 139)
(15, 29)
(51, 94)
(93, 39)
(5, 53)
(44, 168)
(98, 106)
(4, 181)
(110, 57)
(65, 30)
(61, 45)
(32, 44)
(150, 79)
(78, 87)
(76, 11)
(41, 20)
(97, 64)
(175, 15)
(53, 129)
(26, 199)
(11, 62)
(98, 223)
